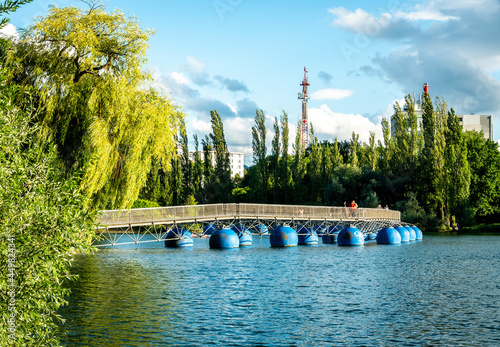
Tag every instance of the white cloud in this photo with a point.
(478, 6)
(9, 31)
(196, 65)
(328, 124)
(233, 108)
(359, 21)
(331, 94)
(238, 132)
(179, 78)
(197, 71)
(201, 126)
(427, 14)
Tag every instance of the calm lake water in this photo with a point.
(444, 290)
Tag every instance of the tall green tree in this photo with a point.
(285, 173)
(298, 167)
(440, 159)
(369, 153)
(386, 149)
(197, 177)
(406, 145)
(86, 71)
(432, 178)
(314, 169)
(326, 167)
(259, 153)
(222, 169)
(353, 158)
(275, 155)
(484, 160)
(458, 175)
(337, 158)
(186, 165)
(208, 171)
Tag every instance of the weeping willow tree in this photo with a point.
(95, 100)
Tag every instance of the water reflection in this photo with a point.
(442, 291)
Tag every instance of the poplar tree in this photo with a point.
(275, 154)
(432, 176)
(197, 170)
(208, 170)
(440, 160)
(353, 157)
(337, 158)
(406, 148)
(285, 173)
(458, 174)
(298, 167)
(326, 166)
(401, 137)
(259, 154)
(386, 149)
(314, 168)
(222, 171)
(186, 165)
(427, 174)
(372, 151)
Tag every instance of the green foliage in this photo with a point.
(458, 175)
(240, 195)
(259, 154)
(484, 160)
(412, 212)
(274, 162)
(284, 165)
(43, 224)
(140, 203)
(371, 200)
(222, 185)
(85, 68)
(353, 158)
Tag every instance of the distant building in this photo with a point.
(468, 122)
(478, 123)
(236, 161)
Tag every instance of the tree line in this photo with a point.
(437, 175)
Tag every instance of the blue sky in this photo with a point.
(238, 55)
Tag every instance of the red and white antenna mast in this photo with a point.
(304, 96)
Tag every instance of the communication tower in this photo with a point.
(304, 96)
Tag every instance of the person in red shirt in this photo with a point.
(353, 206)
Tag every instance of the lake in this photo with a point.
(444, 290)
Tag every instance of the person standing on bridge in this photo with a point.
(353, 206)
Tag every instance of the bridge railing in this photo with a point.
(184, 214)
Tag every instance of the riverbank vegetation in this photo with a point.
(80, 129)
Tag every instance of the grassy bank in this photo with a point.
(482, 229)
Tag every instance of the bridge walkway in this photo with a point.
(131, 226)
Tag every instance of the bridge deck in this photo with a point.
(133, 226)
(218, 212)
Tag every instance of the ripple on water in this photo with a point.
(442, 291)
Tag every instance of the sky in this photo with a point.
(236, 56)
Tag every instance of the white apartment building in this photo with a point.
(478, 123)
(468, 122)
(236, 162)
